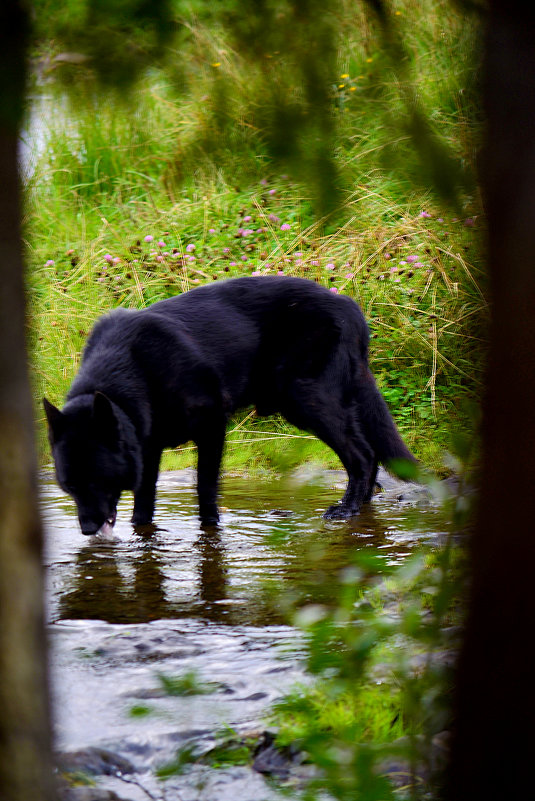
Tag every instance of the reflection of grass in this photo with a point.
(109, 178)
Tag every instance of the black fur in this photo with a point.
(176, 371)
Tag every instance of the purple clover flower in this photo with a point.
(285, 227)
(148, 238)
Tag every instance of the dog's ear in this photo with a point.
(106, 422)
(56, 420)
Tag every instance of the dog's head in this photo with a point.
(92, 460)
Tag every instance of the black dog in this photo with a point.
(176, 371)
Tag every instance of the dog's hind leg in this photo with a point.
(338, 426)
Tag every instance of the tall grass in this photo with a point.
(185, 158)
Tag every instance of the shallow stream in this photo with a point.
(124, 611)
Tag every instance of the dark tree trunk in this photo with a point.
(493, 748)
(25, 765)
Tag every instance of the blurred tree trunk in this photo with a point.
(25, 764)
(494, 741)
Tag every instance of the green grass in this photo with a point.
(371, 713)
(161, 162)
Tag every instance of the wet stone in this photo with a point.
(94, 761)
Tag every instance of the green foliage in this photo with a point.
(382, 659)
(230, 749)
(187, 684)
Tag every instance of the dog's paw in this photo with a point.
(141, 519)
(340, 511)
(209, 518)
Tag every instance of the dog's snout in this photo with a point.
(88, 526)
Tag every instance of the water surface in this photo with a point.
(179, 599)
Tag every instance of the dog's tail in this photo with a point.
(380, 428)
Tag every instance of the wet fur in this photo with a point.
(177, 370)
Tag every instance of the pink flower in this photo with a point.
(226, 250)
(315, 263)
(264, 182)
(211, 230)
(329, 266)
(50, 263)
(394, 269)
(190, 248)
(349, 275)
(161, 243)
(333, 289)
(424, 214)
(244, 258)
(232, 264)
(247, 218)
(285, 227)
(411, 259)
(116, 260)
(388, 255)
(280, 272)
(256, 272)
(272, 191)
(159, 257)
(109, 258)
(149, 238)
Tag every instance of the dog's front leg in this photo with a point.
(145, 495)
(210, 450)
